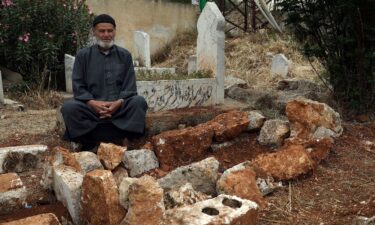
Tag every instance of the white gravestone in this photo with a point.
(280, 65)
(69, 62)
(142, 48)
(211, 44)
(192, 64)
(1, 91)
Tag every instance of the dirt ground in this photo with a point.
(341, 188)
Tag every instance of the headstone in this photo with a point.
(280, 65)
(69, 62)
(211, 44)
(142, 48)
(192, 64)
(1, 91)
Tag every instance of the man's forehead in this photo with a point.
(104, 26)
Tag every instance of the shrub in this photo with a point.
(342, 35)
(35, 35)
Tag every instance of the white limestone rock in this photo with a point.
(67, 186)
(274, 132)
(88, 161)
(256, 121)
(202, 175)
(140, 161)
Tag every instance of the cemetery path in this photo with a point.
(341, 188)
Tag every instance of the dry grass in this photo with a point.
(35, 100)
(247, 57)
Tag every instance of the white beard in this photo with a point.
(105, 45)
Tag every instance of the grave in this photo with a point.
(142, 48)
(280, 65)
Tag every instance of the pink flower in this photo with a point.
(25, 37)
(6, 3)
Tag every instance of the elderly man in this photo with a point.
(106, 106)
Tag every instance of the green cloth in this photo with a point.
(202, 3)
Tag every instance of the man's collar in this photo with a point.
(105, 52)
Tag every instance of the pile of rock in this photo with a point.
(111, 187)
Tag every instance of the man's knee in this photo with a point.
(138, 102)
(69, 107)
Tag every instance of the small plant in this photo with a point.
(34, 35)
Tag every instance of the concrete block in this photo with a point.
(224, 209)
(21, 158)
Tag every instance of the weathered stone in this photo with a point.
(21, 158)
(181, 147)
(63, 156)
(58, 156)
(192, 64)
(87, 161)
(240, 181)
(110, 155)
(202, 175)
(146, 205)
(289, 162)
(229, 125)
(142, 48)
(100, 199)
(124, 191)
(362, 220)
(223, 209)
(274, 132)
(68, 62)
(267, 185)
(280, 65)
(119, 173)
(10, 75)
(67, 185)
(140, 161)
(183, 196)
(256, 121)
(231, 81)
(41, 219)
(211, 44)
(306, 116)
(12, 191)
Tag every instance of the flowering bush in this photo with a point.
(35, 35)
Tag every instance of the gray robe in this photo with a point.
(97, 76)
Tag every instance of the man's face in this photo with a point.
(105, 34)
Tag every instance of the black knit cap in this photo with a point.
(103, 18)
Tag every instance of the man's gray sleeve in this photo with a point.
(129, 87)
(80, 89)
